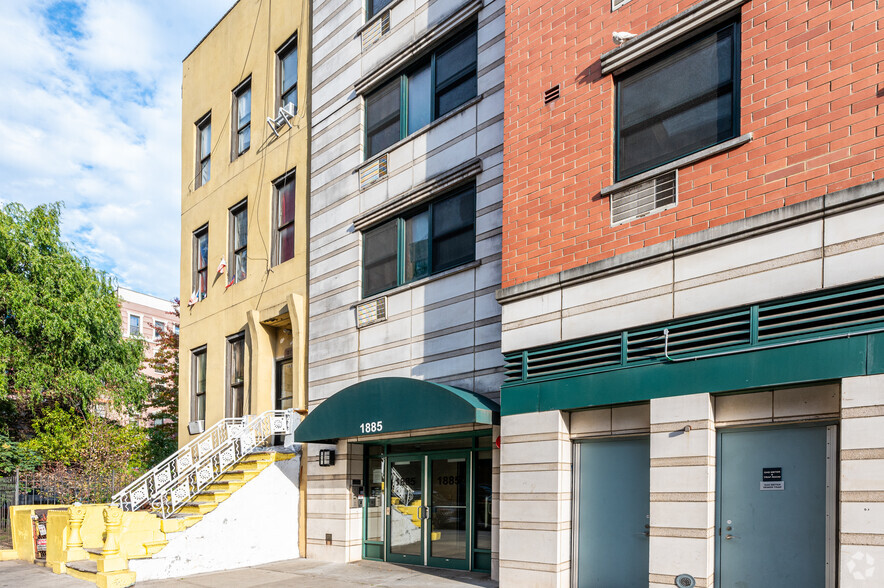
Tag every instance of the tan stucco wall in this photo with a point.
(243, 44)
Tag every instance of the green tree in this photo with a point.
(60, 336)
(86, 457)
(164, 395)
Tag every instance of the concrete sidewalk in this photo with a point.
(18, 574)
(303, 573)
(308, 573)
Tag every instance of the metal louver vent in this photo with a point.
(694, 337)
(371, 312)
(643, 198)
(551, 94)
(586, 355)
(376, 30)
(822, 313)
(373, 172)
(798, 320)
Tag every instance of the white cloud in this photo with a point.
(90, 115)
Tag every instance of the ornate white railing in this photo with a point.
(184, 474)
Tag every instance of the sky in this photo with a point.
(90, 115)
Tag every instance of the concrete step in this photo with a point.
(239, 475)
(230, 486)
(85, 566)
(198, 507)
(215, 496)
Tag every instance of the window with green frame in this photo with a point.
(432, 87)
(424, 241)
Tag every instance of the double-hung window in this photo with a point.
(158, 328)
(204, 150)
(284, 218)
(288, 75)
(201, 262)
(198, 384)
(422, 242)
(242, 110)
(239, 238)
(679, 104)
(432, 87)
(235, 375)
(134, 325)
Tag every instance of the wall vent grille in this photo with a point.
(373, 172)
(373, 33)
(644, 198)
(835, 312)
(371, 312)
(551, 94)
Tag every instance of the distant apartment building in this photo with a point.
(405, 245)
(142, 317)
(693, 277)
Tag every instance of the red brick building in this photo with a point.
(693, 254)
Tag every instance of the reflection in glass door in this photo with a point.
(448, 537)
(405, 510)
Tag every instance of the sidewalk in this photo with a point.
(18, 574)
(308, 573)
(303, 573)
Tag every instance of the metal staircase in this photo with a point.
(177, 480)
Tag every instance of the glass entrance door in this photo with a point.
(449, 513)
(406, 513)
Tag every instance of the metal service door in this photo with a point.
(612, 487)
(406, 512)
(449, 486)
(772, 507)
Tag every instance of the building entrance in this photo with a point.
(431, 507)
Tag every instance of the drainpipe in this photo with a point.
(297, 306)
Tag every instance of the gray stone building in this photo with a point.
(405, 246)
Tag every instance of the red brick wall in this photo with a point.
(812, 94)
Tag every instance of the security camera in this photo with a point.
(621, 37)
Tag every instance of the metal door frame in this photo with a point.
(388, 514)
(575, 492)
(435, 562)
(831, 491)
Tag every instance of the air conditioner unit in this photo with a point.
(285, 116)
(196, 427)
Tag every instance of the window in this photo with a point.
(158, 328)
(176, 329)
(431, 88)
(201, 262)
(288, 75)
(425, 241)
(285, 218)
(198, 385)
(235, 375)
(680, 104)
(134, 325)
(242, 103)
(239, 237)
(375, 6)
(204, 150)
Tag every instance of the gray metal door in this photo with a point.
(613, 501)
(772, 518)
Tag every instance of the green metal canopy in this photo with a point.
(390, 405)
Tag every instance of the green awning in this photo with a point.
(392, 405)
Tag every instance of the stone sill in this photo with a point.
(416, 283)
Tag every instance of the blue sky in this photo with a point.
(90, 115)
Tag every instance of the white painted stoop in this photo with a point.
(257, 524)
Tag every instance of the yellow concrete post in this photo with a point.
(112, 559)
(75, 551)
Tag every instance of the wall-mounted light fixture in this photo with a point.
(326, 458)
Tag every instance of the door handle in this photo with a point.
(425, 512)
(728, 536)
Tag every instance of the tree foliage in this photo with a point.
(86, 457)
(164, 395)
(60, 336)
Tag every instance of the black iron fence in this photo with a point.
(18, 489)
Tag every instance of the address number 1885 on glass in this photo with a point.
(372, 427)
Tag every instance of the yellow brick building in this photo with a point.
(244, 141)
